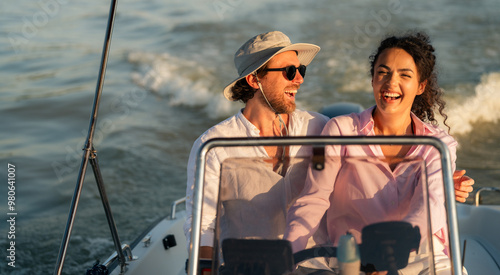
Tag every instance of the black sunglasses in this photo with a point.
(291, 71)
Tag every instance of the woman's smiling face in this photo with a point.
(395, 81)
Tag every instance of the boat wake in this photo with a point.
(482, 106)
(184, 82)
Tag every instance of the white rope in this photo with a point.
(282, 123)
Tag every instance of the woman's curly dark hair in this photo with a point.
(242, 91)
(419, 47)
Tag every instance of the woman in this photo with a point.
(406, 94)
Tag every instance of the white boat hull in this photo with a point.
(479, 227)
(154, 258)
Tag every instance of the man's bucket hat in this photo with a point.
(260, 49)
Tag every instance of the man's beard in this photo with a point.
(279, 103)
(282, 107)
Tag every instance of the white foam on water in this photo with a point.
(483, 105)
(184, 82)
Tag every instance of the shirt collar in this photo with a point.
(367, 123)
(366, 120)
(254, 131)
(251, 129)
(422, 128)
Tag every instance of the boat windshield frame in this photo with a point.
(321, 141)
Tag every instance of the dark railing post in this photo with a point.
(107, 210)
(88, 144)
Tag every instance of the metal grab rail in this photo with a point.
(174, 207)
(477, 198)
(89, 155)
(126, 250)
(322, 141)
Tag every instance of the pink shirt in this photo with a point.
(371, 194)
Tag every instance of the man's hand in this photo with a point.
(463, 185)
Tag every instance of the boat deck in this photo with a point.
(479, 227)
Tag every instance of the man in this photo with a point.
(271, 70)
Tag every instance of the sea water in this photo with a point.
(168, 64)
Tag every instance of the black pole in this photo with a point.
(88, 145)
(107, 210)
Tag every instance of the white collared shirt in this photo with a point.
(301, 123)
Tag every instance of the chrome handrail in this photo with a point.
(126, 250)
(477, 198)
(322, 141)
(174, 206)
